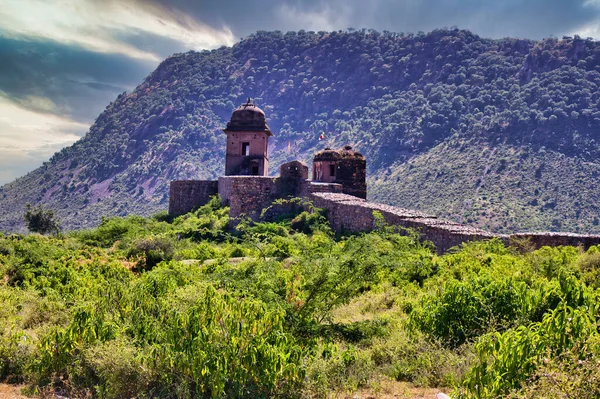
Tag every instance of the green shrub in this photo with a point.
(569, 375)
(150, 251)
(113, 369)
(505, 361)
(41, 220)
(589, 266)
(307, 222)
(463, 310)
(112, 230)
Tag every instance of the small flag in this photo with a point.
(322, 136)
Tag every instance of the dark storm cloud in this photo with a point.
(520, 18)
(79, 82)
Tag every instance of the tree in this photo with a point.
(41, 220)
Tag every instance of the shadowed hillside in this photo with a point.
(498, 133)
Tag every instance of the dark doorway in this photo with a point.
(332, 170)
(246, 149)
(254, 170)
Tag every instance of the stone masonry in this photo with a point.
(348, 213)
(186, 195)
(338, 186)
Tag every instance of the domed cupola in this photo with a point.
(247, 141)
(344, 166)
(248, 117)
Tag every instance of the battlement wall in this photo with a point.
(319, 187)
(348, 213)
(555, 239)
(186, 195)
(247, 195)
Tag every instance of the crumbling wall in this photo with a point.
(319, 187)
(555, 239)
(352, 173)
(348, 213)
(186, 195)
(247, 195)
(292, 179)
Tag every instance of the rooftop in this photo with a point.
(343, 153)
(248, 117)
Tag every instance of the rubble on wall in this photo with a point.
(348, 213)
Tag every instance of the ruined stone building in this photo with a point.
(246, 186)
(338, 185)
(247, 142)
(343, 166)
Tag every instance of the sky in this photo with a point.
(63, 61)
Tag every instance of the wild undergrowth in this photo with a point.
(191, 307)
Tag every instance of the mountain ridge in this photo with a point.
(432, 100)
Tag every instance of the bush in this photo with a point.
(113, 369)
(505, 361)
(569, 375)
(150, 251)
(41, 220)
(307, 222)
(463, 310)
(589, 266)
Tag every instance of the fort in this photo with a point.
(338, 185)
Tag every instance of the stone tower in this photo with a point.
(343, 166)
(247, 142)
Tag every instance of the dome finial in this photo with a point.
(249, 102)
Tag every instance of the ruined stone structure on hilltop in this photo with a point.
(338, 185)
(246, 186)
(247, 142)
(343, 166)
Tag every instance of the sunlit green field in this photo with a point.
(146, 307)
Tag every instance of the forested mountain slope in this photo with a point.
(498, 133)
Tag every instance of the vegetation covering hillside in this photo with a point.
(520, 117)
(149, 308)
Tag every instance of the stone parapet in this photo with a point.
(319, 187)
(187, 195)
(247, 195)
(348, 213)
(555, 239)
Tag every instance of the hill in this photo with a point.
(498, 133)
(143, 307)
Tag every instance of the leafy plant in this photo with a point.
(41, 220)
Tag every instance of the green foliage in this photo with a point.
(151, 307)
(506, 360)
(466, 309)
(148, 252)
(41, 220)
(570, 375)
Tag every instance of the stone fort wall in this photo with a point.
(348, 213)
(186, 195)
(247, 196)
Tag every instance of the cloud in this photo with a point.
(29, 137)
(533, 19)
(99, 25)
(66, 80)
(325, 18)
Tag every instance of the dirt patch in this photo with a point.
(11, 392)
(389, 389)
